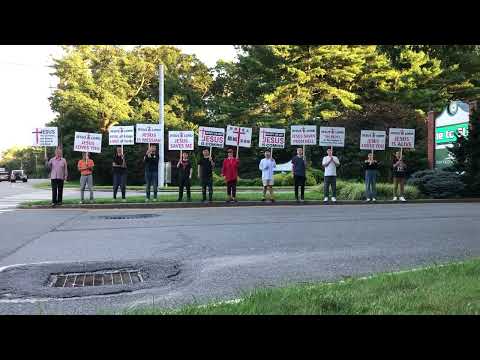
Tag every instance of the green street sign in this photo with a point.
(447, 134)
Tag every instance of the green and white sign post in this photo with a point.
(452, 121)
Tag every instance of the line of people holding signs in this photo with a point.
(233, 136)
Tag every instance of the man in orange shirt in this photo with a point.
(85, 166)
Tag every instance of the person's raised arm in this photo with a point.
(325, 161)
(335, 160)
(260, 166)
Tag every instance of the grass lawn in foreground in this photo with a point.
(449, 289)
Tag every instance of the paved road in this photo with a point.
(224, 251)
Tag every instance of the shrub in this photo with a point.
(317, 174)
(348, 190)
(437, 183)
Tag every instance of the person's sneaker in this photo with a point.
(395, 198)
(374, 199)
(325, 199)
(147, 200)
(53, 204)
(402, 199)
(80, 202)
(155, 199)
(334, 199)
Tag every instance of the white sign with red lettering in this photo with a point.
(303, 135)
(332, 136)
(87, 142)
(121, 135)
(272, 138)
(401, 138)
(180, 140)
(46, 136)
(148, 134)
(238, 136)
(209, 136)
(372, 140)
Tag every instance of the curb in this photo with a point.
(186, 205)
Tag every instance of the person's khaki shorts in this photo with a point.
(267, 182)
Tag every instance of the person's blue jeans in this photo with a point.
(151, 179)
(371, 183)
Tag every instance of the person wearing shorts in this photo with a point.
(267, 165)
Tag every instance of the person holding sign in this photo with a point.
(371, 170)
(57, 166)
(230, 174)
(205, 174)
(399, 175)
(151, 172)
(330, 164)
(184, 176)
(119, 173)
(85, 166)
(299, 172)
(266, 166)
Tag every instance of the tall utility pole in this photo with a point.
(161, 147)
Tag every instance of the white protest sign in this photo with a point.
(211, 137)
(303, 135)
(401, 138)
(372, 140)
(271, 138)
(239, 136)
(121, 135)
(46, 136)
(180, 140)
(148, 134)
(87, 142)
(332, 136)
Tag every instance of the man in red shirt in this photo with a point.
(230, 174)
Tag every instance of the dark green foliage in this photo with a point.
(437, 183)
(467, 156)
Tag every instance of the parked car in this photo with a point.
(18, 175)
(4, 176)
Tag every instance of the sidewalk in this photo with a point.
(184, 205)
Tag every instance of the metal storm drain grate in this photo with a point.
(100, 278)
(126, 217)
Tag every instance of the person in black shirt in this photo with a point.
(205, 174)
(151, 172)
(399, 175)
(184, 176)
(299, 172)
(371, 170)
(119, 167)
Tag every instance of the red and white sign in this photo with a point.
(121, 135)
(332, 136)
(238, 136)
(46, 136)
(401, 138)
(303, 135)
(148, 134)
(372, 140)
(211, 137)
(272, 138)
(87, 142)
(180, 140)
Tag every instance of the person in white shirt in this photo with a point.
(267, 165)
(330, 164)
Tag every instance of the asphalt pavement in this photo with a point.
(223, 252)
